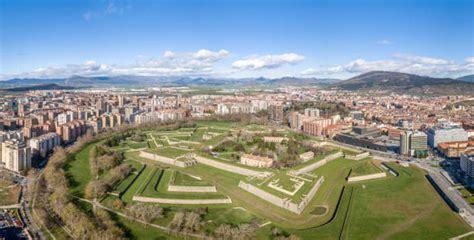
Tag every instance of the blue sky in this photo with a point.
(328, 38)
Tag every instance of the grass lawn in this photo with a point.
(9, 192)
(364, 168)
(158, 187)
(403, 207)
(170, 152)
(78, 171)
(136, 145)
(182, 179)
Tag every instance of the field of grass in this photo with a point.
(158, 187)
(9, 192)
(182, 179)
(170, 152)
(404, 207)
(78, 171)
(364, 168)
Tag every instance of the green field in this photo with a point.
(78, 171)
(170, 152)
(403, 207)
(157, 186)
(181, 179)
(364, 168)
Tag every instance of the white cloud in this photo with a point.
(199, 63)
(385, 42)
(168, 54)
(211, 56)
(470, 60)
(267, 61)
(421, 65)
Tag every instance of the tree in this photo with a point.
(192, 222)
(177, 222)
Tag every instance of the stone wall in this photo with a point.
(283, 202)
(367, 177)
(231, 168)
(176, 188)
(358, 156)
(317, 164)
(162, 159)
(181, 201)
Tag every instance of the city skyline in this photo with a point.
(235, 39)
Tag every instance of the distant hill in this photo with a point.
(467, 78)
(75, 81)
(80, 81)
(51, 86)
(405, 83)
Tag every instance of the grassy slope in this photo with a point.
(78, 171)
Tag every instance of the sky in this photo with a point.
(235, 39)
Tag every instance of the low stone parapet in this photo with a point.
(283, 202)
(162, 159)
(231, 168)
(181, 201)
(176, 188)
(317, 164)
(367, 177)
(357, 156)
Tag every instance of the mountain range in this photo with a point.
(80, 81)
(468, 78)
(375, 80)
(405, 83)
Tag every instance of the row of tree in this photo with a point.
(56, 202)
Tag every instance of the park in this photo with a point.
(197, 172)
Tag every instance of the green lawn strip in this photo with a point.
(215, 140)
(197, 134)
(78, 172)
(136, 145)
(134, 188)
(220, 124)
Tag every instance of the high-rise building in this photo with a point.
(418, 141)
(44, 144)
(311, 112)
(467, 164)
(405, 143)
(276, 113)
(16, 155)
(8, 135)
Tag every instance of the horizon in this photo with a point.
(235, 39)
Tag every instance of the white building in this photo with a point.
(44, 144)
(16, 155)
(256, 161)
(163, 115)
(444, 134)
(223, 109)
(9, 135)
